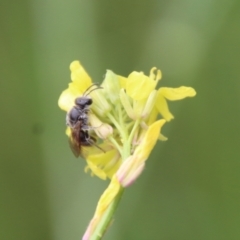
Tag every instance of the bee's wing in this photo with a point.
(74, 147)
(77, 149)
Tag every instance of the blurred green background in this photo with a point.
(190, 188)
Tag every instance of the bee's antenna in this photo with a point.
(89, 90)
(94, 84)
(98, 87)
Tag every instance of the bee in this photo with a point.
(77, 120)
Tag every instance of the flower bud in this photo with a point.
(111, 87)
(103, 130)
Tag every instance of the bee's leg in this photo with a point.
(86, 127)
(95, 145)
(92, 128)
(91, 141)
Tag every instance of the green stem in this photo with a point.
(120, 115)
(121, 129)
(128, 144)
(115, 143)
(136, 124)
(115, 122)
(107, 217)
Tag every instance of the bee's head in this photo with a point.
(83, 102)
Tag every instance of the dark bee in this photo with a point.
(77, 120)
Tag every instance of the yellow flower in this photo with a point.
(122, 125)
(140, 95)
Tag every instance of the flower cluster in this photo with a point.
(126, 118)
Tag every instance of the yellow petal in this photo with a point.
(144, 149)
(153, 116)
(177, 93)
(162, 107)
(102, 158)
(104, 164)
(81, 81)
(75, 65)
(68, 131)
(122, 81)
(162, 138)
(139, 86)
(67, 98)
(96, 170)
(79, 75)
(111, 171)
(108, 196)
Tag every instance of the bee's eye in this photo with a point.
(83, 101)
